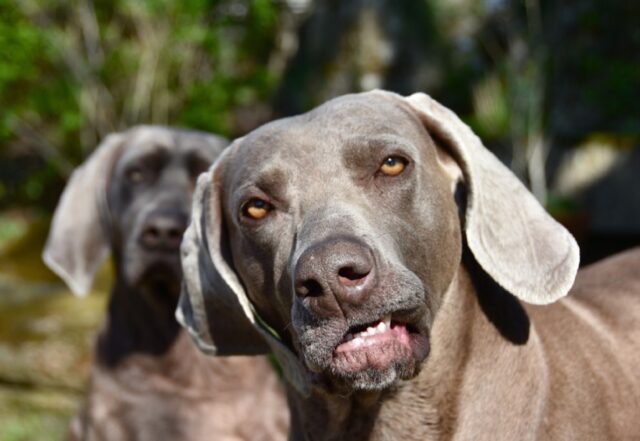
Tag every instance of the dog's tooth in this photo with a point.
(381, 326)
(358, 341)
(387, 321)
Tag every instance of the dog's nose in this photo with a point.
(341, 268)
(163, 231)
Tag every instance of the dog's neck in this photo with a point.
(143, 348)
(138, 322)
(467, 328)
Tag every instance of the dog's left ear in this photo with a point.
(77, 243)
(510, 234)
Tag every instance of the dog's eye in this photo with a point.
(135, 175)
(197, 165)
(256, 208)
(393, 165)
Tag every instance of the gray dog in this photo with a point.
(394, 265)
(149, 382)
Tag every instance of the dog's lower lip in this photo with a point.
(380, 345)
(376, 333)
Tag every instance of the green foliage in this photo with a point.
(71, 72)
(21, 44)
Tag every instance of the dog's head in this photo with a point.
(336, 234)
(131, 197)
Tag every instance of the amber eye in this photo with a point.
(135, 175)
(393, 165)
(256, 208)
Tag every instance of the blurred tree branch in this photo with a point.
(72, 72)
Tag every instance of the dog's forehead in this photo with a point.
(143, 140)
(323, 135)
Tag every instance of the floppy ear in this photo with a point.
(213, 305)
(77, 244)
(510, 234)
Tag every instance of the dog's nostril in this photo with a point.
(309, 288)
(351, 276)
(162, 233)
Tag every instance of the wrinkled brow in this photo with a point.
(273, 182)
(361, 150)
(149, 152)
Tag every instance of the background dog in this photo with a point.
(132, 198)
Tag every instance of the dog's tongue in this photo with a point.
(377, 334)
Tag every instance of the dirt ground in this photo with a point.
(46, 339)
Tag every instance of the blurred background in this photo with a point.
(552, 87)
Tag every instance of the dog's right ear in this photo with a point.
(213, 305)
(77, 244)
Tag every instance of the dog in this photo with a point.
(132, 198)
(409, 285)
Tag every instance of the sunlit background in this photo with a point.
(552, 87)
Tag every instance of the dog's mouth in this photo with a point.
(393, 341)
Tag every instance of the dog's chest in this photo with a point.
(409, 421)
